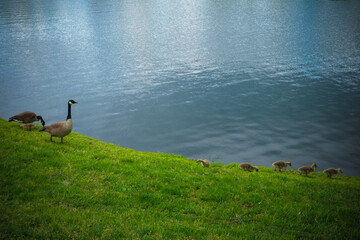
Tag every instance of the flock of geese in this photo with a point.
(62, 129)
(58, 129)
(281, 165)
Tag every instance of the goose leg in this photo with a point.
(61, 140)
(51, 139)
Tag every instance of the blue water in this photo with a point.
(231, 81)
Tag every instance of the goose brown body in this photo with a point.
(247, 167)
(281, 165)
(27, 117)
(59, 129)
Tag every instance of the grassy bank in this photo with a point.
(88, 189)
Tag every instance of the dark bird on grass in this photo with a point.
(61, 129)
(27, 117)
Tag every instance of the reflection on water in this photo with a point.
(231, 81)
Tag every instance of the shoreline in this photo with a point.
(86, 188)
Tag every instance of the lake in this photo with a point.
(230, 81)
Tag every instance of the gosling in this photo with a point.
(27, 126)
(332, 171)
(281, 165)
(247, 167)
(204, 162)
(307, 169)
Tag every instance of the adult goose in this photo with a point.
(61, 129)
(27, 117)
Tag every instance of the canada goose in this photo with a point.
(247, 167)
(61, 129)
(27, 117)
(332, 171)
(204, 162)
(27, 126)
(307, 169)
(281, 165)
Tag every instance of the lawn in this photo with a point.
(88, 189)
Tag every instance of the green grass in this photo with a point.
(88, 189)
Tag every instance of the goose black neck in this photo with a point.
(69, 112)
(41, 119)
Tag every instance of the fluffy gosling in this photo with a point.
(281, 165)
(307, 169)
(27, 126)
(204, 162)
(332, 171)
(247, 167)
